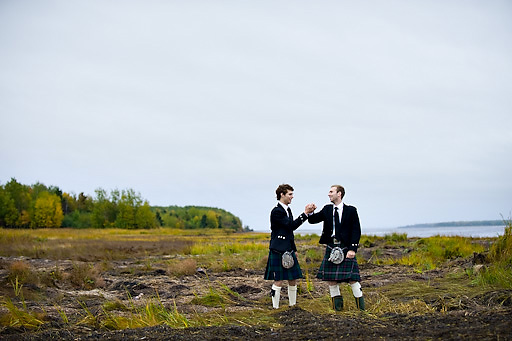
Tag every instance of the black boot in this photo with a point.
(360, 302)
(337, 302)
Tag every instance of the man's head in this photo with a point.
(284, 193)
(336, 194)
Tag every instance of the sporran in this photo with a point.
(337, 256)
(287, 260)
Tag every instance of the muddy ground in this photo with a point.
(486, 317)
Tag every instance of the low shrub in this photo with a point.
(86, 276)
(21, 272)
(182, 267)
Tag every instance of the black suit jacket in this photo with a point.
(350, 226)
(282, 227)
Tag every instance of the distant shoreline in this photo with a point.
(458, 223)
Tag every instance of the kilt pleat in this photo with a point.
(275, 270)
(346, 271)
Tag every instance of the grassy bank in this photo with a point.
(402, 275)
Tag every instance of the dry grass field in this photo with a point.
(91, 284)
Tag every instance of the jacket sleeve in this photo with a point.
(279, 220)
(318, 217)
(355, 235)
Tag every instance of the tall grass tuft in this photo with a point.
(499, 272)
(21, 272)
(17, 317)
(86, 276)
(151, 313)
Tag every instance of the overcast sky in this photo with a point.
(407, 104)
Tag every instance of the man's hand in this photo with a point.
(310, 208)
(351, 254)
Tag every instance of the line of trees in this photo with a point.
(38, 206)
(195, 217)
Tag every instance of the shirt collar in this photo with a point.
(284, 206)
(340, 206)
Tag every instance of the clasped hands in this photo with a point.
(310, 208)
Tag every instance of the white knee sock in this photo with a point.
(276, 296)
(334, 290)
(356, 289)
(292, 294)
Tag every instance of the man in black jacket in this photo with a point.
(282, 226)
(341, 233)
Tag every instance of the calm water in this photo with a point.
(465, 231)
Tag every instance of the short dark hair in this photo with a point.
(283, 189)
(340, 188)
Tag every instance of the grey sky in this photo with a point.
(405, 103)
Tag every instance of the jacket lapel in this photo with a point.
(282, 209)
(344, 214)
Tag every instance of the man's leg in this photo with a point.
(292, 292)
(358, 294)
(276, 293)
(336, 298)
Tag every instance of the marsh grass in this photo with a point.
(91, 244)
(229, 248)
(86, 276)
(217, 251)
(217, 296)
(429, 253)
(393, 239)
(182, 267)
(17, 316)
(451, 292)
(221, 255)
(151, 313)
(62, 314)
(22, 273)
(499, 271)
(420, 253)
(20, 317)
(381, 305)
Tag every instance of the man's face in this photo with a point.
(287, 198)
(334, 195)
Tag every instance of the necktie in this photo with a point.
(336, 224)
(290, 214)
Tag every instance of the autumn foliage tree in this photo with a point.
(47, 211)
(39, 206)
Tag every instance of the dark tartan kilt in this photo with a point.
(275, 270)
(346, 271)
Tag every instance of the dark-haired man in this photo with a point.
(341, 233)
(282, 226)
